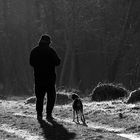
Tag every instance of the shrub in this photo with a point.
(108, 91)
(62, 98)
(32, 100)
(134, 96)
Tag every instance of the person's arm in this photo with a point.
(31, 59)
(56, 59)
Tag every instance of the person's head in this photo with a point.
(45, 39)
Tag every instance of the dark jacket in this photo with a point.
(44, 60)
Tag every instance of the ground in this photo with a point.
(110, 120)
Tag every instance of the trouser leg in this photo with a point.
(51, 96)
(40, 93)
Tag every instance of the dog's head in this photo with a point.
(74, 96)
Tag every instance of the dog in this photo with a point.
(77, 107)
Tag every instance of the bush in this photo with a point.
(134, 96)
(30, 100)
(62, 98)
(108, 91)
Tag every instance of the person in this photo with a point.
(44, 59)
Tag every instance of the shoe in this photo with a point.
(49, 118)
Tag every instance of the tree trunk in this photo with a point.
(67, 51)
(123, 48)
(70, 48)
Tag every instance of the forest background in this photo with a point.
(97, 40)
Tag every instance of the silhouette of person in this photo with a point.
(44, 59)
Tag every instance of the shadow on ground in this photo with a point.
(54, 131)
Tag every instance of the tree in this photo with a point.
(122, 46)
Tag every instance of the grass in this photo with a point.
(105, 113)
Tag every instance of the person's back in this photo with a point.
(44, 60)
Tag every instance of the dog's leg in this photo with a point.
(73, 116)
(82, 117)
(77, 117)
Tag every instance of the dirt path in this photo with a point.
(18, 122)
(94, 126)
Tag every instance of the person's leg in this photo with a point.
(51, 96)
(40, 93)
